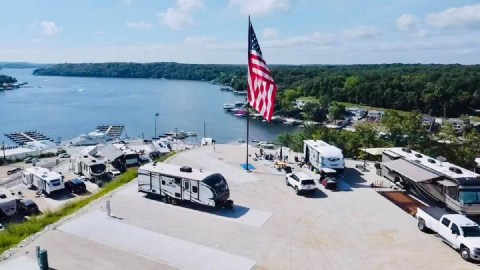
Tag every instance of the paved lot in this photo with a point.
(270, 228)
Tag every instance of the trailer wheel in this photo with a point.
(174, 201)
(164, 199)
(421, 225)
(465, 253)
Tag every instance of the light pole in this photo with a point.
(156, 116)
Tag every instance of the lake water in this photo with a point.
(68, 106)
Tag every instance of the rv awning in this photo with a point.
(410, 170)
(374, 151)
(447, 183)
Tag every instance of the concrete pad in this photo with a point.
(235, 175)
(20, 263)
(109, 231)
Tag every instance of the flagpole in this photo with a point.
(247, 168)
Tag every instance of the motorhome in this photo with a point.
(320, 154)
(89, 163)
(176, 184)
(43, 180)
(440, 182)
(8, 202)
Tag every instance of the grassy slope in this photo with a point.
(15, 233)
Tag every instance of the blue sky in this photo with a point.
(208, 31)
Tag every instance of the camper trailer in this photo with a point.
(440, 182)
(176, 184)
(131, 157)
(320, 154)
(43, 180)
(8, 203)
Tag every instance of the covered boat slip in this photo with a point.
(411, 171)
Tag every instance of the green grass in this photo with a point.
(372, 108)
(15, 233)
(310, 99)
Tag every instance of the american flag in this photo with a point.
(261, 87)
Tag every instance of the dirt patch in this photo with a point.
(403, 200)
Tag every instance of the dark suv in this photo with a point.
(75, 186)
(29, 207)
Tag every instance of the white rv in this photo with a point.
(323, 155)
(43, 180)
(89, 163)
(131, 157)
(8, 202)
(175, 184)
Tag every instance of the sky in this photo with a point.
(215, 31)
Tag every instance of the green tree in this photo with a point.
(393, 124)
(336, 110)
(448, 133)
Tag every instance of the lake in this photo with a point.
(68, 106)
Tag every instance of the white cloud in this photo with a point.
(316, 39)
(180, 16)
(462, 17)
(407, 22)
(139, 25)
(270, 33)
(199, 41)
(362, 32)
(50, 28)
(263, 7)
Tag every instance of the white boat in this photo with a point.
(228, 106)
(191, 134)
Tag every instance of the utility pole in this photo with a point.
(156, 116)
(3, 147)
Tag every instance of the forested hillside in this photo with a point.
(7, 79)
(433, 89)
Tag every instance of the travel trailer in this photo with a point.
(8, 203)
(131, 157)
(176, 184)
(320, 154)
(43, 180)
(440, 182)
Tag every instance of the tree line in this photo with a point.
(438, 90)
(7, 79)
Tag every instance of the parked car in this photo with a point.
(13, 171)
(64, 155)
(456, 230)
(30, 159)
(301, 182)
(28, 207)
(75, 186)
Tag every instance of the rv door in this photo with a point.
(187, 190)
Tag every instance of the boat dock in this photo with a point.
(113, 131)
(21, 138)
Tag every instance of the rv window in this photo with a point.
(187, 185)
(163, 182)
(178, 181)
(194, 189)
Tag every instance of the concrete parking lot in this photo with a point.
(270, 227)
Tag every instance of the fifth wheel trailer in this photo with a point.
(175, 184)
(323, 155)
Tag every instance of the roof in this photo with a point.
(8, 195)
(110, 152)
(174, 170)
(324, 148)
(374, 151)
(43, 173)
(410, 170)
(303, 176)
(461, 220)
(433, 164)
(328, 170)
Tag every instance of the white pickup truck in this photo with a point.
(457, 230)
